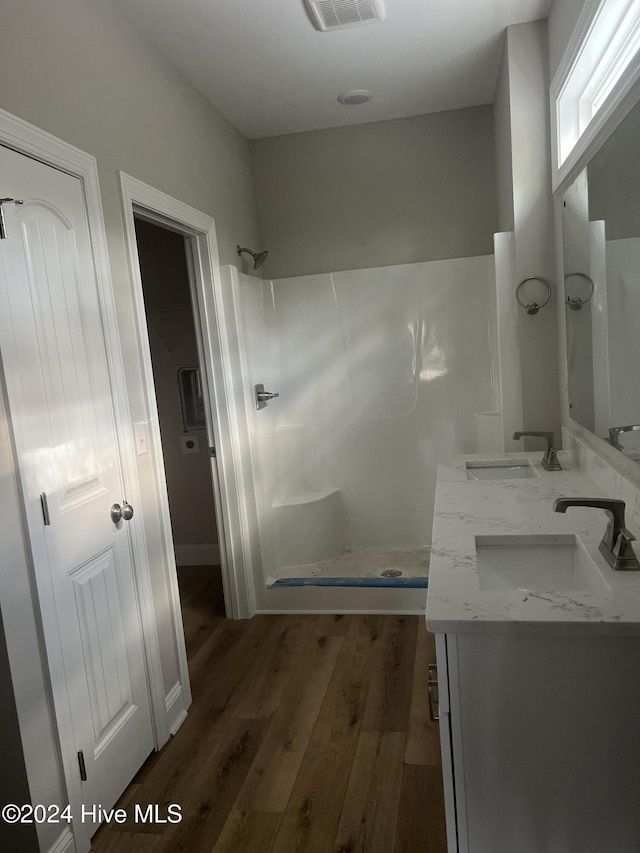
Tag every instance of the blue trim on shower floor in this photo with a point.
(403, 583)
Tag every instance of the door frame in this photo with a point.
(26, 139)
(213, 316)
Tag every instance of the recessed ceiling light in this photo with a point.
(355, 97)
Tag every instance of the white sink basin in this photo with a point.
(632, 453)
(546, 562)
(500, 469)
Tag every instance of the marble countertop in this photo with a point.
(469, 508)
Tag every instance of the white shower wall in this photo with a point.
(379, 372)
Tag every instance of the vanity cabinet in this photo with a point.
(540, 737)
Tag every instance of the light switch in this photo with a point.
(140, 429)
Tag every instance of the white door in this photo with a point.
(55, 361)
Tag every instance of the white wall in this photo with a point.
(502, 140)
(380, 194)
(257, 357)
(523, 121)
(78, 69)
(561, 22)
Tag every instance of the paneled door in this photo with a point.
(55, 358)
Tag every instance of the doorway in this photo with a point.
(180, 397)
(214, 322)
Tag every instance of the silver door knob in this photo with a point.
(121, 512)
(262, 397)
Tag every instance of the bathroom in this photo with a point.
(440, 212)
(409, 349)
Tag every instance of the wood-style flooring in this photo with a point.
(306, 734)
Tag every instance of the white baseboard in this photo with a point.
(198, 555)
(176, 710)
(64, 843)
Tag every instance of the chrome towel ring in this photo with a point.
(574, 302)
(533, 307)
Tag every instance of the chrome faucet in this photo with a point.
(615, 546)
(549, 460)
(616, 432)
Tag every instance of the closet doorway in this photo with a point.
(180, 398)
(213, 322)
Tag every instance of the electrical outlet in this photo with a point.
(189, 444)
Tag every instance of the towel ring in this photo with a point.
(533, 307)
(575, 303)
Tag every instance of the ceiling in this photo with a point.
(270, 72)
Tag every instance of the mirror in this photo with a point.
(601, 242)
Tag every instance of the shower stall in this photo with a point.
(378, 374)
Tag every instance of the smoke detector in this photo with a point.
(339, 14)
(355, 97)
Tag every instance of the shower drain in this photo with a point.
(391, 573)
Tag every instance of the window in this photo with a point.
(604, 48)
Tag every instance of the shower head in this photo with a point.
(258, 257)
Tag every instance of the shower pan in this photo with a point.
(379, 373)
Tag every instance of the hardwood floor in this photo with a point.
(306, 734)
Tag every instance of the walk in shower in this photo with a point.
(378, 373)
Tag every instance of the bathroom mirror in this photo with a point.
(601, 242)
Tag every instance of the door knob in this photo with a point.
(262, 396)
(121, 512)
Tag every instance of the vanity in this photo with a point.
(537, 635)
(538, 663)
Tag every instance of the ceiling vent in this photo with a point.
(338, 14)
